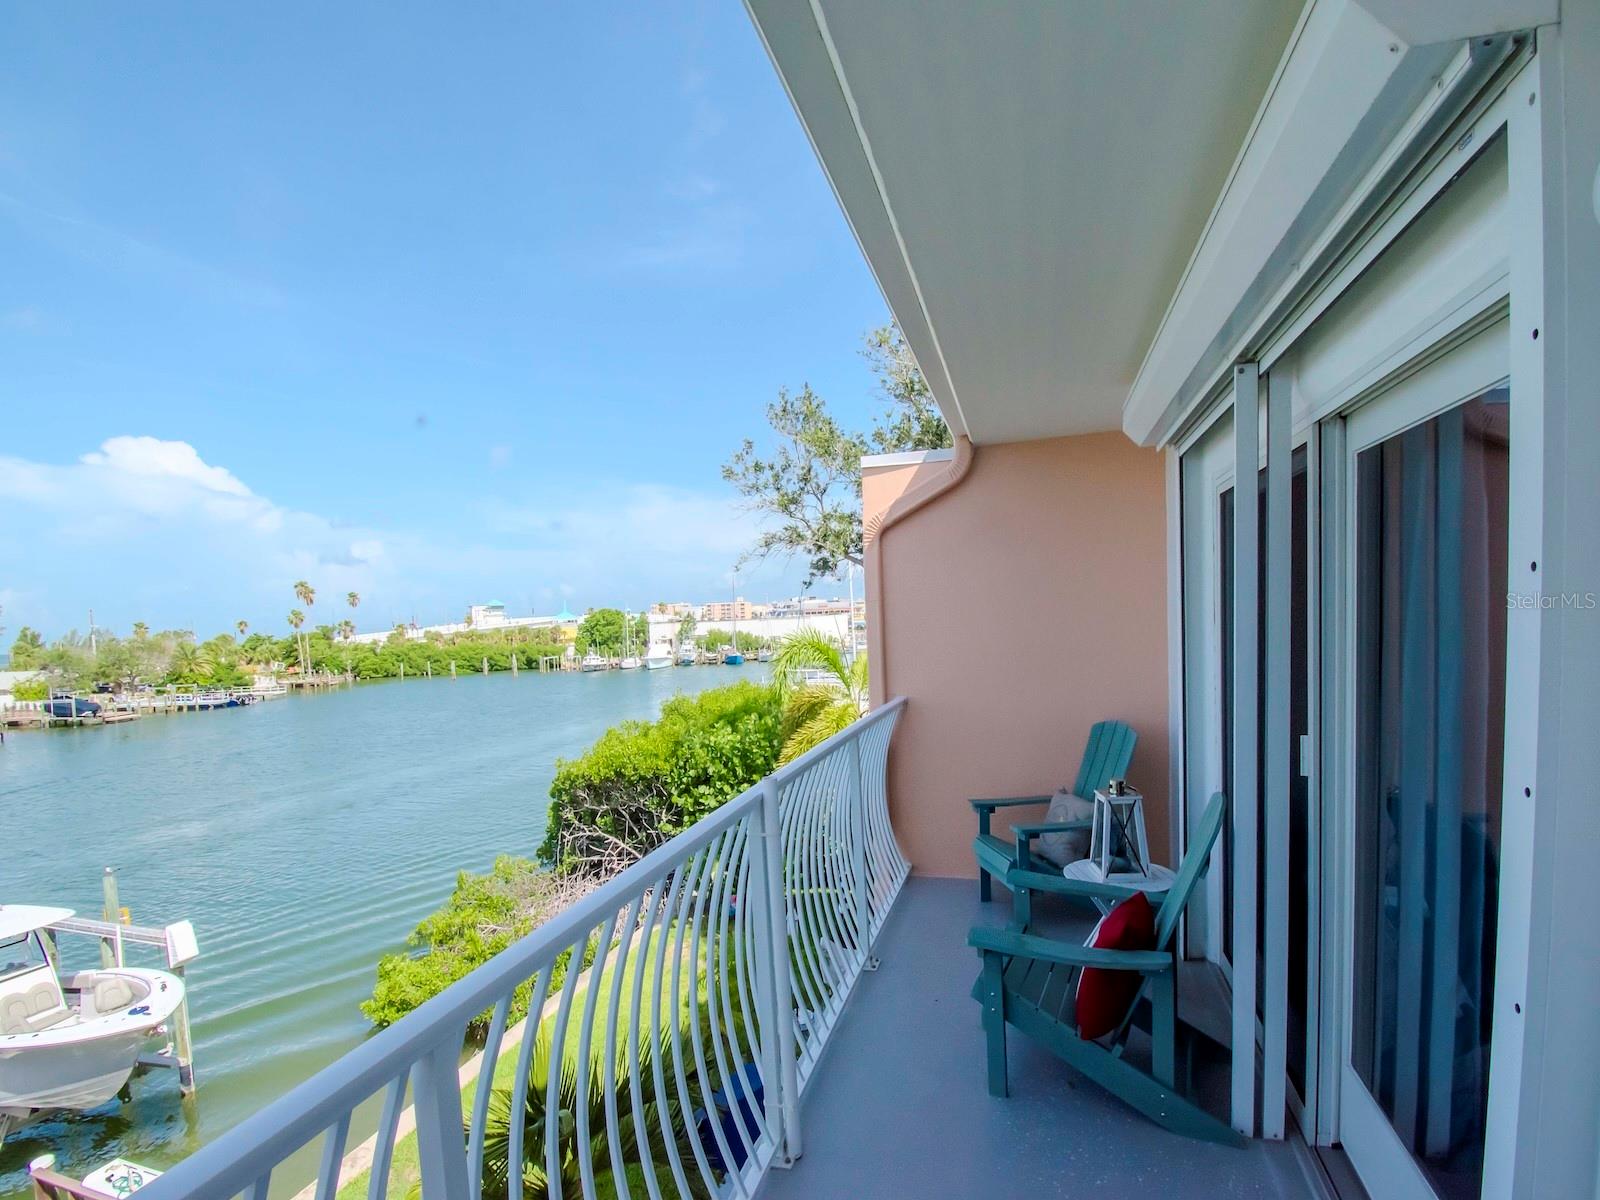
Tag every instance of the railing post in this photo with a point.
(441, 1144)
(856, 808)
(781, 1075)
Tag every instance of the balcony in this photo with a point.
(715, 1011)
(899, 1107)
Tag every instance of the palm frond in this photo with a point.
(808, 649)
(821, 726)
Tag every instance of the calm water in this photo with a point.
(304, 837)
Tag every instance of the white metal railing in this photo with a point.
(688, 1000)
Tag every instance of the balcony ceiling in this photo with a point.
(1028, 180)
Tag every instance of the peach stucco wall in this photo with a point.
(1014, 611)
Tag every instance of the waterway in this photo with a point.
(305, 838)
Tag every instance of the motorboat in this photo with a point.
(658, 659)
(593, 662)
(61, 707)
(630, 662)
(206, 701)
(733, 659)
(764, 654)
(69, 1042)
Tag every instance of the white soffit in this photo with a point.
(1421, 22)
(1028, 180)
(1344, 89)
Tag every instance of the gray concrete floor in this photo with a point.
(898, 1106)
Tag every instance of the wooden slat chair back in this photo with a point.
(1030, 983)
(1105, 757)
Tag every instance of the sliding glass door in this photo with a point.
(1426, 469)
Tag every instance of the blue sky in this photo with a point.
(440, 303)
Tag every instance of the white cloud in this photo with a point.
(155, 459)
(148, 529)
(160, 520)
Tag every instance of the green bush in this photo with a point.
(31, 689)
(484, 915)
(645, 781)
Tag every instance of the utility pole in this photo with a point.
(850, 616)
(94, 650)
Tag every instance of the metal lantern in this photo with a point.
(1117, 832)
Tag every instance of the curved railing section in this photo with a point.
(650, 1041)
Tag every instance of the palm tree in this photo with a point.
(815, 711)
(297, 619)
(242, 627)
(140, 631)
(347, 629)
(353, 599)
(307, 595)
(536, 1184)
(190, 664)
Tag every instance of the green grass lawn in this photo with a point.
(405, 1171)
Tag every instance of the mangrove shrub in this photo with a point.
(645, 781)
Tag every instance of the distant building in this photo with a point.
(484, 616)
(806, 606)
(739, 609)
(480, 617)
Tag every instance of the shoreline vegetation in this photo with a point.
(172, 657)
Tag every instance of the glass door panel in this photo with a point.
(1430, 523)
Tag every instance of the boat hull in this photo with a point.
(81, 1075)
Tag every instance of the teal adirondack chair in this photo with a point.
(1031, 983)
(1106, 757)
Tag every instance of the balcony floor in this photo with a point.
(898, 1107)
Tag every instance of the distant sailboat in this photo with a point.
(733, 658)
(630, 660)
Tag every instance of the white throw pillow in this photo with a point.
(1063, 848)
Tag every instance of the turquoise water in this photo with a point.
(304, 837)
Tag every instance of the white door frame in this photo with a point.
(1453, 376)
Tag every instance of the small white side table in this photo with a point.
(1156, 884)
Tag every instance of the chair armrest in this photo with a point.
(1033, 831)
(1026, 833)
(1024, 879)
(1006, 802)
(1067, 954)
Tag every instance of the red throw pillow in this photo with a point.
(1104, 995)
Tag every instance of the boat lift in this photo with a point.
(177, 942)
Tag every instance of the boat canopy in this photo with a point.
(18, 919)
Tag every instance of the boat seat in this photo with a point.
(31, 1009)
(112, 993)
